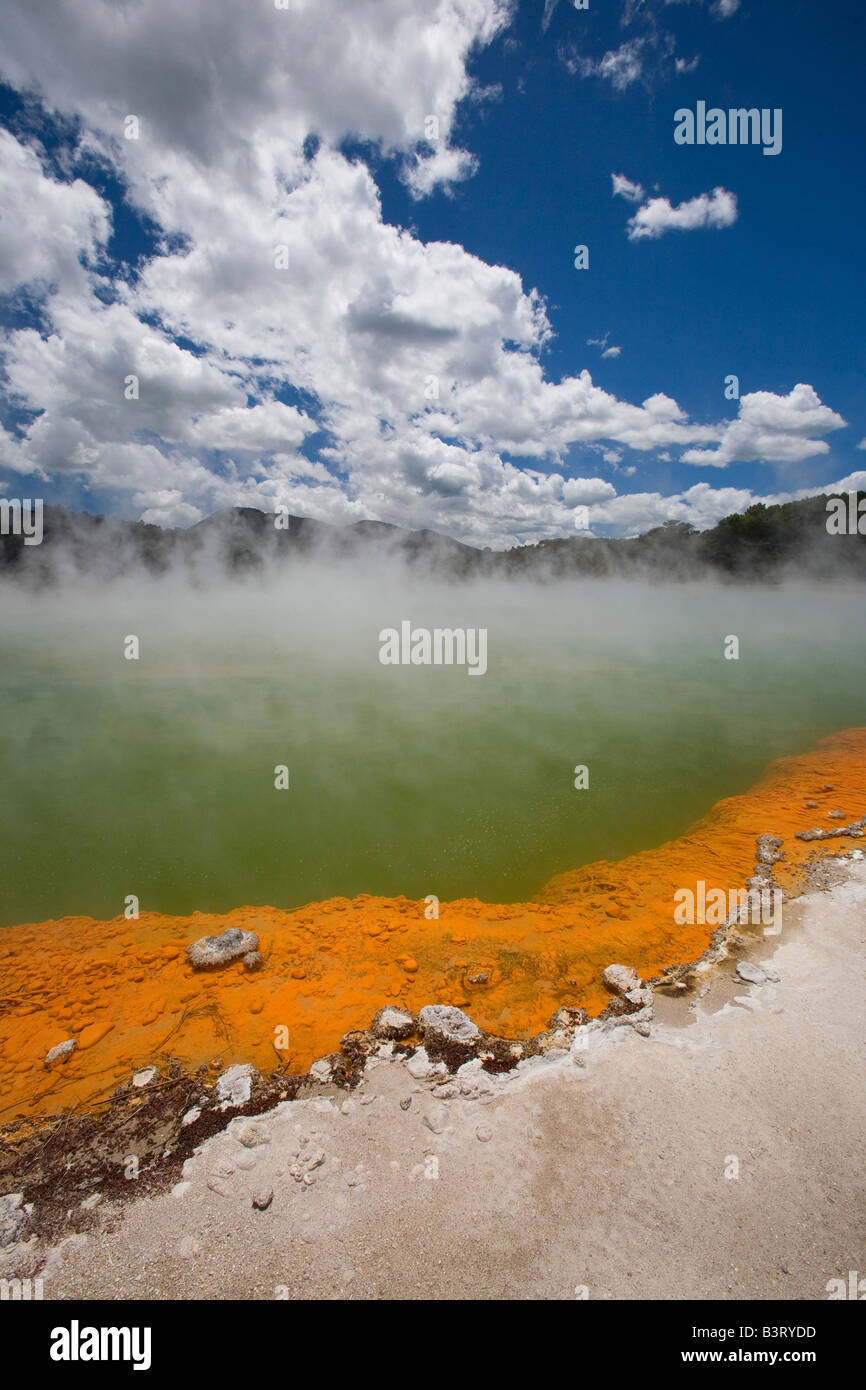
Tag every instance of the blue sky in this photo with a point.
(426, 352)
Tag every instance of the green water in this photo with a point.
(156, 777)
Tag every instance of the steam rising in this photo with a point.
(156, 776)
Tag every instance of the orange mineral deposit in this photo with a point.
(126, 992)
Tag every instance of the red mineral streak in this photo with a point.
(127, 993)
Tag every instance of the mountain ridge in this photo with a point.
(763, 543)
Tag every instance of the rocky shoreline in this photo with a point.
(56, 1175)
(69, 1183)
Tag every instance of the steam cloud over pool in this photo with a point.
(156, 776)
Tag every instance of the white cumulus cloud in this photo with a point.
(657, 216)
(280, 305)
(624, 188)
(778, 428)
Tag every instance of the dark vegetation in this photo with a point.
(763, 544)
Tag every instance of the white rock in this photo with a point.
(235, 1085)
(12, 1226)
(642, 997)
(209, 952)
(436, 1116)
(752, 973)
(419, 1064)
(145, 1076)
(449, 1024)
(13, 1217)
(393, 1023)
(619, 979)
(60, 1052)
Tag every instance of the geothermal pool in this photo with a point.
(155, 777)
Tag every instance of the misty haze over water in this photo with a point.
(156, 776)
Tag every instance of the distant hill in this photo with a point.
(762, 544)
